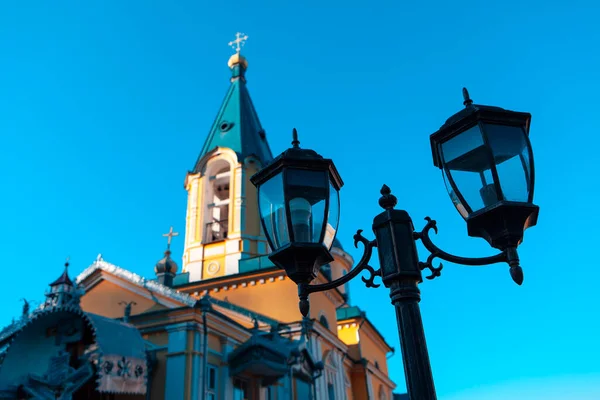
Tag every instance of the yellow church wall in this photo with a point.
(104, 298)
(320, 304)
(379, 386)
(372, 349)
(337, 267)
(214, 342)
(326, 347)
(278, 299)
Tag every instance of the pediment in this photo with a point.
(108, 289)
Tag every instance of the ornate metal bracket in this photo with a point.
(363, 264)
(509, 255)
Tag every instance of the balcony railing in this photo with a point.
(216, 230)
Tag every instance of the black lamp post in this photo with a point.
(486, 159)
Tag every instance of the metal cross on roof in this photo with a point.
(238, 43)
(170, 236)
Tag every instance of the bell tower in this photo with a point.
(222, 222)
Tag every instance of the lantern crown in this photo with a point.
(471, 115)
(297, 157)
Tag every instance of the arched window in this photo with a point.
(216, 200)
(323, 321)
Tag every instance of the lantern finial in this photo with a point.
(387, 200)
(295, 141)
(467, 98)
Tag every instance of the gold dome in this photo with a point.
(237, 58)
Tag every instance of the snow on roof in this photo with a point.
(136, 279)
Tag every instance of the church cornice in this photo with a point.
(228, 282)
(190, 319)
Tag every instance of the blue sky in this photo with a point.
(104, 106)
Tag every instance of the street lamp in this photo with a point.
(487, 163)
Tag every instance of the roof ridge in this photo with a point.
(137, 279)
(166, 291)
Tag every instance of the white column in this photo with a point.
(225, 381)
(314, 350)
(239, 195)
(340, 388)
(369, 382)
(322, 388)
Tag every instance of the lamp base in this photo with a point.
(504, 224)
(301, 261)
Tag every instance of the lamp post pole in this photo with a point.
(299, 209)
(405, 297)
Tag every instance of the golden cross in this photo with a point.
(240, 40)
(170, 236)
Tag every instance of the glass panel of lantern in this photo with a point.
(510, 148)
(333, 217)
(467, 171)
(306, 193)
(272, 212)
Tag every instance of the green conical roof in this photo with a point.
(237, 126)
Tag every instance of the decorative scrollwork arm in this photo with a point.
(362, 265)
(436, 252)
(304, 289)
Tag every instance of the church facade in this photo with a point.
(225, 325)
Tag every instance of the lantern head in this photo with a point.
(487, 164)
(298, 196)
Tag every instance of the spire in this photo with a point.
(166, 268)
(64, 278)
(237, 126)
(62, 291)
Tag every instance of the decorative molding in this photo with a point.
(213, 268)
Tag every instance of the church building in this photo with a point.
(223, 325)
